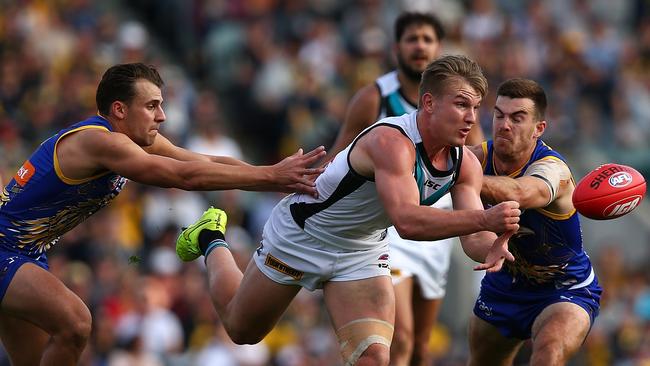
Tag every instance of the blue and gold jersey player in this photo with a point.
(550, 293)
(78, 171)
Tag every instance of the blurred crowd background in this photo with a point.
(257, 79)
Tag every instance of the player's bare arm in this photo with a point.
(546, 183)
(361, 112)
(529, 191)
(483, 246)
(389, 156)
(86, 153)
(162, 146)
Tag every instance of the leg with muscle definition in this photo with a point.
(249, 304)
(362, 314)
(488, 346)
(558, 333)
(43, 322)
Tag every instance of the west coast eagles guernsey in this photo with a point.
(348, 212)
(40, 204)
(547, 248)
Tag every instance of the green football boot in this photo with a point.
(187, 244)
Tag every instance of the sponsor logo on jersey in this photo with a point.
(383, 235)
(25, 173)
(431, 184)
(282, 267)
(117, 183)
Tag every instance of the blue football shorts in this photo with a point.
(10, 262)
(514, 312)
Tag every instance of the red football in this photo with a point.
(609, 191)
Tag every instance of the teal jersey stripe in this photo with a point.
(396, 104)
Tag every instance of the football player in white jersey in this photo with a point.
(390, 175)
(419, 270)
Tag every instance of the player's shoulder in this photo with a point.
(364, 107)
(387, 139)
(95, 140)
(368, 95)
(470, 164)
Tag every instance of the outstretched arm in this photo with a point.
(542, 182)
(162, 146)
(91, 150)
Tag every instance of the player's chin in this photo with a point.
(419, 65)
(460, 141)
(149, 139)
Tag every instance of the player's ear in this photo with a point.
(118, 109)
(427, 102)
(540, 126)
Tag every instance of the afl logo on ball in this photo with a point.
(620, 179)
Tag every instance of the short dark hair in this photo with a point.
(118, 81)
(410, 18)
(448, 69)
(525, 88)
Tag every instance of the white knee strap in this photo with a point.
(356, 336)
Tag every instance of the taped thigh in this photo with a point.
(356, 336)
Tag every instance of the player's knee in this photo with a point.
(548, 352)
(420, 351)
(365, 342)
(402, 342)
(375, 355)
(76, 331)
(243, 335)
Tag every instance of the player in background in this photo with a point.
(78, 171)
(337, 241)
(550, 292)
(419, 269)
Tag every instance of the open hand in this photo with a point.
(498, 254)
(293, 174)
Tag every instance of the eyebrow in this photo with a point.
(467, 98)
(521, 111)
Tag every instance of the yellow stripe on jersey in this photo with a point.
(556, 216)
(57, 167)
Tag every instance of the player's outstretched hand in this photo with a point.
(503, 217)
(498, 254)
(293, 174)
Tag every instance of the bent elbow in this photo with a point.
(405, 230)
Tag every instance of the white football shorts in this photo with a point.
(289, 256)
